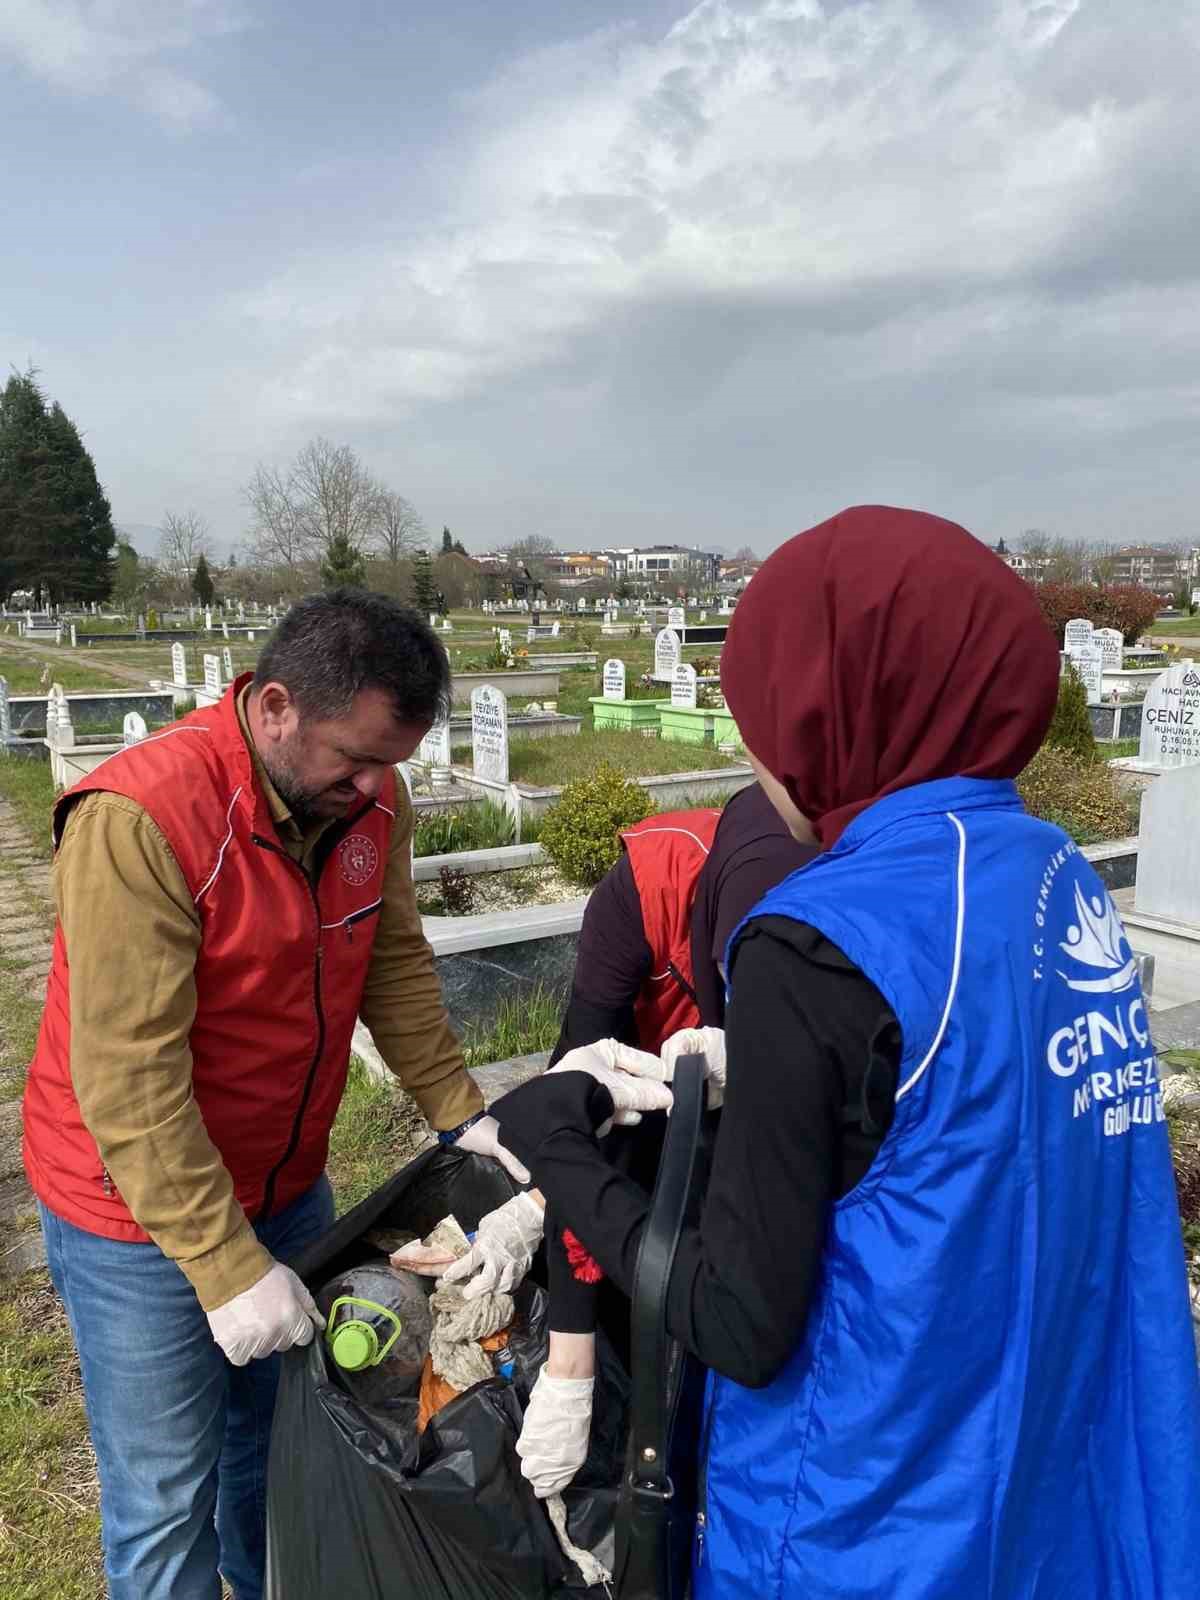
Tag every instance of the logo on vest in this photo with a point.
(1096, 941)
(358, 858)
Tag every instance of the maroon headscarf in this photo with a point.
(883, 649)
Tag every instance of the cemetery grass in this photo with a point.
(28, 788)
(550, 762)
(49, 1517)
(25, 669)
(521, 1027)
(1176, 628)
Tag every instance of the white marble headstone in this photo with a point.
(676, 617)
(135, 727)
(1077, 635)
(581, 604)
(489, 733)
(207, 620)
(433, 621)
(212, 674)
(5, 712)
(505, 637)
(683, 686)
(1168, 863)
(667, 655)
(224, 628)
(178, 665)
(74, 639)
(1171, 720)
(1089, 665)
(555, 630)
(614, 679)
(1111, 641)
(227, 664)
(434, 749)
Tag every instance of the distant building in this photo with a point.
(662, 562)
(1148, 565)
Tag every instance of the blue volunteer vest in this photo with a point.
(996, 1394)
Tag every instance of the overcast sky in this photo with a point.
(618, 272)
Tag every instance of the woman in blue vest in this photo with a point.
(939, 1274)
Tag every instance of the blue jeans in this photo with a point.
(181, 1435)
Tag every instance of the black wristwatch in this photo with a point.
(452, 1135)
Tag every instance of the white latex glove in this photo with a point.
(503, 1250)
(632, 1091)
(706, 1042)
(554, 1436)
(273, 1314)
(482, 1138)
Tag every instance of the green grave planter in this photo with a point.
(685, 724)
(725, 730)
(627, 716)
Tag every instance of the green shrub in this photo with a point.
(581, 833)
(1071, 726)
(1081, 797)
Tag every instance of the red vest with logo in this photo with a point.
(279, 976)
(667, 855)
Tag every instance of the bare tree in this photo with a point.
(279, 535)
(337, 497)
(185, 538)
(399, 531)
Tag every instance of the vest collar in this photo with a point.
(929, 799)
(235, 757)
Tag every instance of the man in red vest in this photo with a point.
(232, 893)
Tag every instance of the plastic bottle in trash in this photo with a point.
(377, 1331)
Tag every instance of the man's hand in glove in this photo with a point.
(706, 1042)
(482, 1138)
(558, 1419)
(632, 1091)
(503, 1250)
(273, 1314)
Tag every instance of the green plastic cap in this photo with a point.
(354, 1345)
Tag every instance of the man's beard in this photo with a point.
(300, 798)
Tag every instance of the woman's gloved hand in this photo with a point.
(503, 1250)
(633, 1091)
(554, 1436)
(482, 1138)
(273, 1314)
(706, 1042)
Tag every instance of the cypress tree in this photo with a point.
(1071, 726)
(202, 584)
(343, 566)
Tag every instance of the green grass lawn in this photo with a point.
(558, 761)
(1178, 627)
(24, 670)
(27, 787)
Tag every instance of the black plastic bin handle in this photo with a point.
(656, 1513)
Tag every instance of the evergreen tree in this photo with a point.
(425, 594)
(56, 532)
(129, 580)
(1071, 726)
(202, 584)
(343, 566)
(447, 542)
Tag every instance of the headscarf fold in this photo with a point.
(882, 649)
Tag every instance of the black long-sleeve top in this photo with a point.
(812, 1055)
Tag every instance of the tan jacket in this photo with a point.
(133, 936)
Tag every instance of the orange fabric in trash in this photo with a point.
(436, 1392)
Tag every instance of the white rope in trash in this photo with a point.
(591, 1569)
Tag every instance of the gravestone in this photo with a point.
(683, 686)
(613, 681)
(212, 674)
(1089, 666)
(179, 665)
(224, 629)
(141, 623)
(489, 733)
(135, 727)
(530, 635)
(555, 630)
(1077, 635)
(505, 637)
(434, 749)
(227, 664)
(433, 621)
(447, 626)
(1168, 864)
(207, 620)
(704, 616)
(582, 604)
(74, 639)
(5, 713)
(676, 617)
(250, 635)
(667, 655)
(1111, 641)
(1171, 719)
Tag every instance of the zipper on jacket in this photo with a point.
(702, 1482)
(683, 983)
(360, 916)
(298, 1121)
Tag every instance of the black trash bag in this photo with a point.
(361, 1507)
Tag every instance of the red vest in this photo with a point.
(279, 975)
(667, 855)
